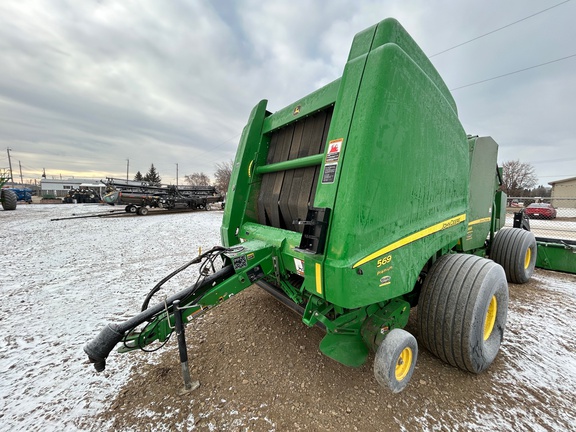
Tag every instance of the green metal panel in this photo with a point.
(403, 171)
(239, 199)
(390, 31)
(500, 210)
(483, 161)
(556, 254)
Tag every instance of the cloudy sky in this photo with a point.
(87, 85)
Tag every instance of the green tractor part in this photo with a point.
(556, 254)
(354, 205)
(552, 253)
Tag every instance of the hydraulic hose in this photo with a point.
(100, 347)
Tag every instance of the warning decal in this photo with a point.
(334, 150)
(332, 158)
(299, 264)
(329, 173)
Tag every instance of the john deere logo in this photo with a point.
(385, 280)
(296, 110)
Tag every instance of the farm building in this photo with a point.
(564, 193)
(61, 187)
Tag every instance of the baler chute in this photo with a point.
(359, 202)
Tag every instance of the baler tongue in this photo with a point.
(244, 265)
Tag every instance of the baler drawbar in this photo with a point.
(353, 206)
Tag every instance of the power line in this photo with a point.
(498, 29)
(512, 73)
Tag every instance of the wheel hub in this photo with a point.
(490, 317)
(527, 258)
(403, 364)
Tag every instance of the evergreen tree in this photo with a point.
(152, 177)
(139, 177)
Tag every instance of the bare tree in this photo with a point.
(197, 179)
(222, 175)
(517, 176)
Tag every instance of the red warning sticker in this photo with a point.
(333, 154)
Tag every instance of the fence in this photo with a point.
(549, 217)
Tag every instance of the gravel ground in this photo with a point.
(259, 367)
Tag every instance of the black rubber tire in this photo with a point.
(9, 199)
(454, 307)
(515, 249)
(142, 211)
(131, 208)
(397, 347)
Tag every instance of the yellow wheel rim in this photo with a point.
(403, 364)
(527, 258)
(490, 317)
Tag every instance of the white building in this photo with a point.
(61, 187)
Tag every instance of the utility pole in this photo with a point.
(21, 179)
(10, 164)
(127, 168)
(176, 174)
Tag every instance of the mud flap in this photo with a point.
(350, 350)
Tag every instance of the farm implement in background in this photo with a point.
(8, 198)
(555, 232)
(352, 206)
(138, 197)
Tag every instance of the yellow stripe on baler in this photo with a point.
(479, 221)
(318, 278)
(448, 223)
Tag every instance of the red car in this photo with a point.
(540, 210)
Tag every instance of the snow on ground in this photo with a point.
(62, 282)
(555, 228)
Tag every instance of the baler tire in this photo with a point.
(515, 249)
(9, 199)
(395, 360)
(462, 311)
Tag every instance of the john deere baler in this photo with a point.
(355, 204)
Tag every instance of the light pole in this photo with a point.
(127, 168)
(10, 164)
(176, 174)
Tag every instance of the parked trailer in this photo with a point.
(139, 196)
(354, 205)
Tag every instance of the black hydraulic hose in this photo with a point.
(174, 273)
(100, 347)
